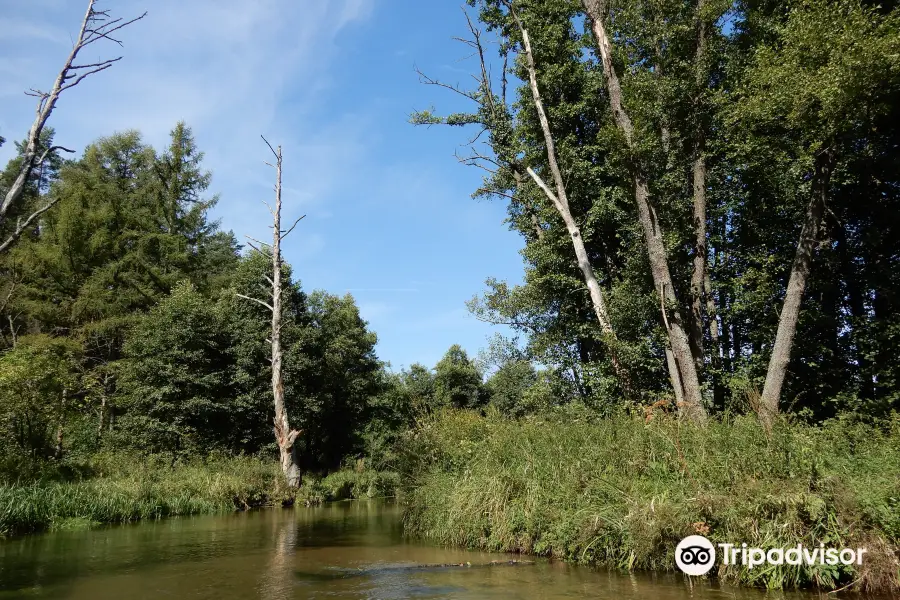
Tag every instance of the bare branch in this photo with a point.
(50, 150)
(82, 76)
(253, 239)
(257, 300)
(291, 228)
(97, 64)
(12, 288)
(68, 77)
(270, 148)
(485, 190)
(103, 31)
(22, 227)
(423, 78)
(544, 187)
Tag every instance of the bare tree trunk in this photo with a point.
(102, 419)
(285, 437)
(95, 26)
(59, 426)
(712, 314)
(678, 339)
(12, 330)
(675, 377)
(700, 284)
(699, 274)
(790, 310)
(560, 201)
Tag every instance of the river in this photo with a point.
(341, 550)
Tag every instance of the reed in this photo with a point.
(622, 491)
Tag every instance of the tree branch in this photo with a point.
(257, 300)
(22, 227)
(291, 228)
(67, 77)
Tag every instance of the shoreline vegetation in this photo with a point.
(615, 491)
(622, 492)
(110, 489)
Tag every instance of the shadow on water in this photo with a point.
(341, 550)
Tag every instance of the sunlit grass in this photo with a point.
(622, 492)
(130, 489)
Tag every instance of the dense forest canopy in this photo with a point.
(707, 194)
(742, 129)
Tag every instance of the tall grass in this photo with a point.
(124, 489)
(113, 488)
(623, 492)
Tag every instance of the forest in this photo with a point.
(705, 339)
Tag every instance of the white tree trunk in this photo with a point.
(560, 201)
(284, 435)
(95, 26)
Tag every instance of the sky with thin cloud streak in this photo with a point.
(389, 214)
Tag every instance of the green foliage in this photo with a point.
(141, 341)
(347, 484)
(126, 488)
(172, 385)
(40, 386)
(508, 387)
(622, 492)
(457, 380)
(340, 378)
(773, 86)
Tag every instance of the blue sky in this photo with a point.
(389, 213)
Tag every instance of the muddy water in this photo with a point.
(343, 550)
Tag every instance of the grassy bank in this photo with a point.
(622, 492)
(116, 489)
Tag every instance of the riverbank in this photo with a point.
(623, 492)
(117, 489)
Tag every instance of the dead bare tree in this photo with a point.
(285, 437)
(97, 25)
(682, 368)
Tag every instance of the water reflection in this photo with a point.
(278, 580)
(344, 550)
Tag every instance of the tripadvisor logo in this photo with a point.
(696, 555)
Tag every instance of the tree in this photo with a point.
(96, 25)
(284, 435)
(338, 376)
(173, 383)
(457, 381)
(507, 388)
(682, 367)
(40, 384)
(494, 116)
(833, 71)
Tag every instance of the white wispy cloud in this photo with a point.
(232, 70)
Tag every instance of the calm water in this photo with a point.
(343, 550)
